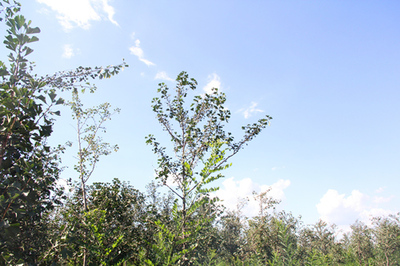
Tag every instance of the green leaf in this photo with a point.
(28, 51)
(33, 39)
(42, 98)
(52, 95)
(60, 101)
(19, 21)
(33, 30)
(4, 72)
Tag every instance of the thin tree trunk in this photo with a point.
(83, 186)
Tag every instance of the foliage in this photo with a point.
(231, 235)
(29, 167)
(361, 243)
(95, 220)
(387, 238)
(9, 8)
(273, 238)
(114, 226)
(126, 212)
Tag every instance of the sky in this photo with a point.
(326, 71)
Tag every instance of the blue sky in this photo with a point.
(326, 71)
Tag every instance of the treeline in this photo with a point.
(128, 227)
(114, 223)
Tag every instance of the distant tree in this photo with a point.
(361, 243)
(271, 236)
(319, 236)
(232, 235)
(387, 239)
(318, 244)
(259, 233)
(201, 149)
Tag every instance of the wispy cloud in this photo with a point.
(249, 111)
(109, 10)
(68, 51)
(214, 81)
(380, 200)
(344, 210)
(80, 13)
(136, 50)
(232, 192)
(163, 76)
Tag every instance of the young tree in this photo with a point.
(201, 149)
(89, 125)
(271, 237)
(318, 244)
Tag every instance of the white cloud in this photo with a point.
(81, 13)
(136, 50)
(379, 200)
(232, 192)
(172, 182)
(341, 210)
(336, 208)
(248, 112)
(68, 51)
(277, 189)
(366, 215)
(214, 81)
(109, 10)
(163, 75)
